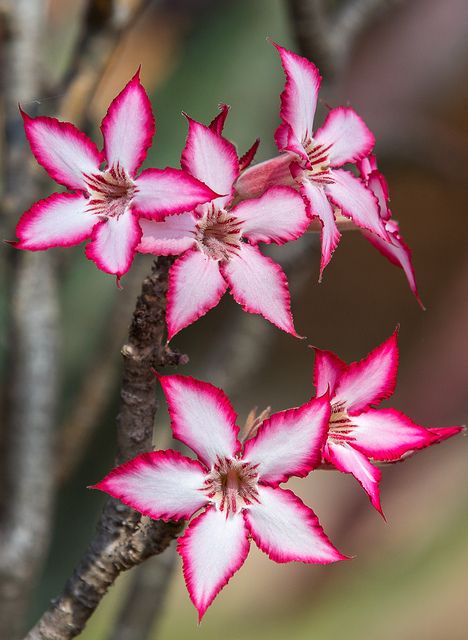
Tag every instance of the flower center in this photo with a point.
(218, 234)
(340, 423)
(110, 192)
(232, 485)
(319, 171)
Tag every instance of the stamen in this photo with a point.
(232, 485)
(110, 192)
(218, 234)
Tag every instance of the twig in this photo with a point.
(123, 538)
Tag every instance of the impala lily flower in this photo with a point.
(314, 158)
(104, 204)
(358, 432)
(238, 491)
(394, 249)
(218, 241)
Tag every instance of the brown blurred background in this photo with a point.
(406, 74)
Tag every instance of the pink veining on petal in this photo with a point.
(286, 530)
(347, 136)
(160, 484)
(202, 417)
(212, 548)
(128, 127)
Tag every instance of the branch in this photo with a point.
(124, 538)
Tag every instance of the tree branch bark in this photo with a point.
(124, 538)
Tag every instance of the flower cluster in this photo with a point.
(211, 215)
(233, 486)
(214, 211)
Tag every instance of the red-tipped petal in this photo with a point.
(128, 127)
(161, 192)
(247, 159)
(218, 122)
(278, 216)
(259, 285)
(114, 242)
(299, 98)
(328, 369)
(370, 380)
(212, 159)
(202, 417)
(195, 286)
(320, 207)
(160, 484)
(62, 149)
(213, 548)
(356, 202)
(439, 434)
(387, 434)
(348, 460)
(286, 530)
(173, 236)
(346, 135)
(290, 443)
(61, 220)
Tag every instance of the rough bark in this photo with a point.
(124, 538)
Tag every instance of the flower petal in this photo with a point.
(299, 98)
(212, 159)
(370, 380)
(328, 369)
(170, 237)
(440, 434)
(161, 192)
(247, 158)
(195, 286)
(387, 434)
(114, 242)
(128, 127)
(255, 180)
(161, 484)
(319, 206)
(259, 285)
(278, 216)
(290, 442)
(287, 141)
(397, 252)
(286, 530)
(356, 202)
(213, 548)
(61, 220)
(348, 460)
(62, 149)
(201, 417)
(218, 122)
(346, 135)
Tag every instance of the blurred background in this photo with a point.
(405, 71)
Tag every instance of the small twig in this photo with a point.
(123, 538)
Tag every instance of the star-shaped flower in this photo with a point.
(333, 195)
(395, 248)
(235, 486)
(104, 204)
(218, 241)
(358, 432)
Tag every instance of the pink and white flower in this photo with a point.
(394, 249)
(236, 486)
(218, 241)
(104, 204)
(358, 432)
(314, 159)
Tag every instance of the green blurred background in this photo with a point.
(407, 77)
